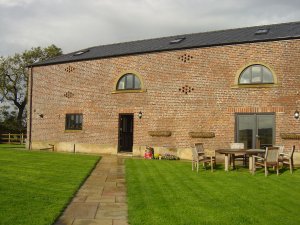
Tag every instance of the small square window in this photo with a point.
(74, 122)
(177, 40)
(81, 52)
(262, 31)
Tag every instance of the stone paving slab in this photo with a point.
(102, 198)
(93, 222)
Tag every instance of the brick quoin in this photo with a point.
(210, 107)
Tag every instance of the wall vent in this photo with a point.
(185, 58)
(69, 69)
(69, 94)
(186, 89)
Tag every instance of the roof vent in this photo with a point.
(262, 31)
(177, 40)
(81, 52)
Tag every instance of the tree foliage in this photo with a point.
(8, 120)
(14, 76)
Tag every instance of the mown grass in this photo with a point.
(169, 193)
(35, 187)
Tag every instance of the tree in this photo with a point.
(8, 120)
(14, 76)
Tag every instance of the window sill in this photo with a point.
(72, 131)
(255, 86)
(129, 91)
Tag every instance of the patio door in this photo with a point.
(255, 130)
(125, 132)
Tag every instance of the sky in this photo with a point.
(77, 24)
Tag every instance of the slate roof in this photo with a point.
(284, 31)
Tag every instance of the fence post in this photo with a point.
(8, 138)
(21, 138)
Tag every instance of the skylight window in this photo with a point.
(81, 52)
(262, 31)
(177, 40)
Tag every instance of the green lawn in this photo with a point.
(169, 193)
(36, 186)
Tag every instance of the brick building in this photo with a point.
(238, 85)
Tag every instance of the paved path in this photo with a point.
(102, 198)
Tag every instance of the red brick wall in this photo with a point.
(210, 107)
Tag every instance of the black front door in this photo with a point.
(255, 130)
(125, 132)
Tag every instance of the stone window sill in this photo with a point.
(129, 91)
(255, 86)
(73, 131)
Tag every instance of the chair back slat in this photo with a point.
(281, 148)
(272, 154)
(199, 148)
(237, 145)
(195, 153)
(292, 152)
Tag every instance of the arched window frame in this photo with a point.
(254, 84)
(133, 89)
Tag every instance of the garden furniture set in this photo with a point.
(269, 157)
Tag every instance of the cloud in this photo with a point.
(78, 24)
(13, 3)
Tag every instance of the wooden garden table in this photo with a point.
(231, 152)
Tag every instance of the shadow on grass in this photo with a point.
(282, 170)
(12, 147)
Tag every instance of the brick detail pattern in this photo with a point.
(210, 107)
(69, 94)
(278, 109)
(186, 89)
(69, 69)
(185, 57)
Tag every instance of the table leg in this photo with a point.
(233, 161)
(226, 162)
(253, 164)
(250, 163)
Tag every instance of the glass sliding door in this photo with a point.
(246, 127)
(255, 130)
(266, 130)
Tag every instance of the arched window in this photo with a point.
(256, 74)
(129, 81)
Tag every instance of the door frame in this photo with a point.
(119, 132)
(256, 125)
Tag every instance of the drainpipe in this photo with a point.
(30, 108)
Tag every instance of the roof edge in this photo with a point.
(40, 64)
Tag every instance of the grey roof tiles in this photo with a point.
(275, 32)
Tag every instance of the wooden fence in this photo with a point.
(13, 138)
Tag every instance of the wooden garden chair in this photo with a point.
(242, 157)
(287, 158)
(271, 159)
(281, 149)
(199, 155)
